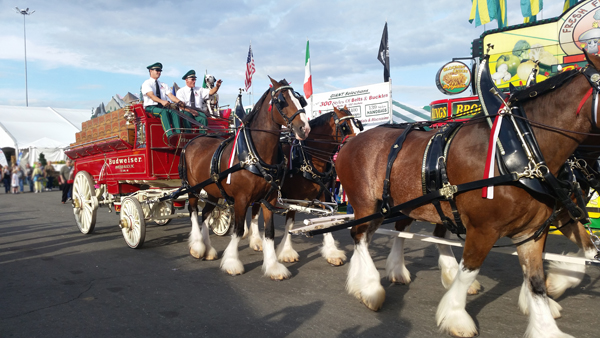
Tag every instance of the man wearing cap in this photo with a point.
(195, 97)
(156, 95)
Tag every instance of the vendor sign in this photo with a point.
(453, 78)
(372, 105)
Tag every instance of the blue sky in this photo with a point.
(80, 53)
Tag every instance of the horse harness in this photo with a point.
(248, 157)
(301, 162)
(519, 164)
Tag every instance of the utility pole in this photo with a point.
(25, 12)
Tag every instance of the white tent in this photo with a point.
(47, 128)
(402, 112)
(53, 151)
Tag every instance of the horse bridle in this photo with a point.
(593, 77)
(342, 124)
(279, 102)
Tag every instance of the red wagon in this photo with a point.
(124, 161)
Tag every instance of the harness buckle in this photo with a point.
(448, 191)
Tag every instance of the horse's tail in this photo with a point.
(182, 169)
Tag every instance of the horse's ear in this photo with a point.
(335, 109)
(345, 107)
(593, 60)
(275, 83)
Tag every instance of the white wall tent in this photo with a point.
(53, 129)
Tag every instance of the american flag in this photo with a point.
(249, 68)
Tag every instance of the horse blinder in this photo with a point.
(358, 124)
(301, 99)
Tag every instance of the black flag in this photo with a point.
(384, 54)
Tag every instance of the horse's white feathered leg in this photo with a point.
(330, 251)
(541, 321)
(394, 266)
(255, 236)
(210, 252)
(363, 278)
(451, 315)
(271, 267)
(555, 308)
(195, 241)
(562, 276)
(449, 266)
(230, 262)
(285, 251)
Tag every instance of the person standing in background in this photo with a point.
(14, 183)
(29, 176)
(38, 176)
(6, 178)
(49, 174)
(64, 178)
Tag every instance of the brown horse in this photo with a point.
(328, 132)
(513, 212)
(561, 275)
(278, 106)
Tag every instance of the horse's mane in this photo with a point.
(321, 120)
(258, 106)
(540, 88)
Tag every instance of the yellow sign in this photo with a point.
(544, 48)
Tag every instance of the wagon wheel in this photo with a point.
(163, 209)
(132, 222)
(220, 218)
(85, 202)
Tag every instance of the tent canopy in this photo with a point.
(402, 112)
(22, 126)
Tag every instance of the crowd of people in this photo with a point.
(39, 178)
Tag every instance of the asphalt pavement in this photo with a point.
(57, 282)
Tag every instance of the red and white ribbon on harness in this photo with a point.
(488, 192)
(232, 155)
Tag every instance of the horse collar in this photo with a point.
(593, 77)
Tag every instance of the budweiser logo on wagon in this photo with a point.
(127, 163)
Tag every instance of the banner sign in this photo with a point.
(465, 109)
(372, 104)
(549, 47)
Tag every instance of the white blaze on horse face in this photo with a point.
(303, 117)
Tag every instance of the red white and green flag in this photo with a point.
(308, 91)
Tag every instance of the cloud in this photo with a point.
(123, 37)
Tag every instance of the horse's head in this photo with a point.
(290, 105)
(342, 122)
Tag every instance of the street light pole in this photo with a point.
(25, 12)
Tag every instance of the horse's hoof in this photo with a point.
(395, 280)
(372, 306)
(195, 254)
(211, 255)
(256, 247)
(461, 334)
(474, 288)
(290, 259)
(335, 261)
(279, 278)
